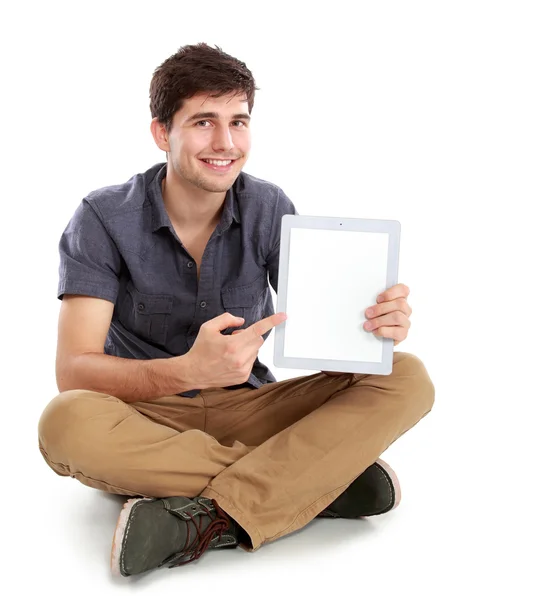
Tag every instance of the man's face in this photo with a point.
(207, 129)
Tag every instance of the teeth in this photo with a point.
(218, 163)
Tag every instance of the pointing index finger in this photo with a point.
(263, 326)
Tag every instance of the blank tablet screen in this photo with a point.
(333, 277)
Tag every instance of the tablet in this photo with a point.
(330, 271)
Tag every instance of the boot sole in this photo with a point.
(120, 530)
(394, 482)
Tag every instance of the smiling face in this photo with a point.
(209, 142)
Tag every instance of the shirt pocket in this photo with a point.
(147, 315)
(245, 301)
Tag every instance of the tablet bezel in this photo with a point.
(393, 229)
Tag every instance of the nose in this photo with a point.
(223, 140)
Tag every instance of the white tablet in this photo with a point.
(330, 271)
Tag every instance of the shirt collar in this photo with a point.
(160, 217)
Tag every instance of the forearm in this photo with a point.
(129, 380)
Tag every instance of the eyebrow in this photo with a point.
(214, 115)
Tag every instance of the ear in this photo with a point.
(160, 135)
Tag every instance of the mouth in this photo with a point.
(221, 166)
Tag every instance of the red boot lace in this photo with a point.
(217, 527)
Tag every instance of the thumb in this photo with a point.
(238, 331)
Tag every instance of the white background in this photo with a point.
(432, 113)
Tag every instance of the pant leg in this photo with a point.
(302, 457)
(320, 434)
(156, 448)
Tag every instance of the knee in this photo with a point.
(412, 371)
(59, 420)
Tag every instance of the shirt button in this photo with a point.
(190, 264)
(203, 304)
(141, 306)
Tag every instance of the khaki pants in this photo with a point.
(273, 458)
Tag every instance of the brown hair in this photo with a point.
(197, 69)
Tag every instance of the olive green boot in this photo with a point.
(157, 532)
(375, 492)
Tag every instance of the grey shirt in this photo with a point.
(120, 245)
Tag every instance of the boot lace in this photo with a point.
(216, 528)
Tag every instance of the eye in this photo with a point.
(241, 123)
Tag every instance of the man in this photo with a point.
(165, 305)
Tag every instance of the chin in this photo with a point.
(209, 186)
(219, 186)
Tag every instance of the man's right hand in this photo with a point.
(218, 360)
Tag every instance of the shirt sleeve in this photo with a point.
(89, 258)
(283, 207)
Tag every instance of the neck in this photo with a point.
(191, 207)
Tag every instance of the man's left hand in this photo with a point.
(389, 317)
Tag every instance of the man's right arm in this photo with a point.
(81, 363)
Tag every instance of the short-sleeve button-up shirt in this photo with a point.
(120, 245)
